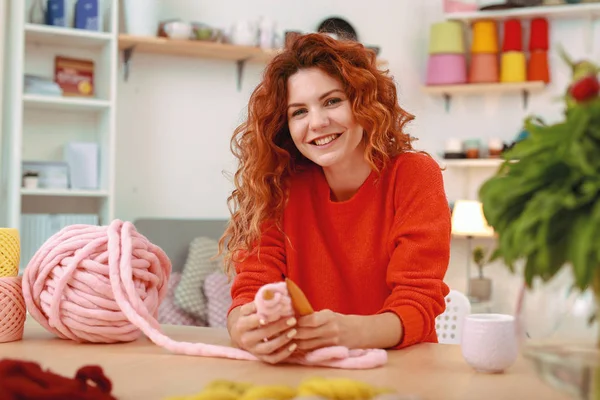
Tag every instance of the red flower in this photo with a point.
(585, 88)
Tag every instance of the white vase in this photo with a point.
(141, 17)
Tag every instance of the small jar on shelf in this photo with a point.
(453, 149)
(495, 148)
(30, 180)
(472, 148)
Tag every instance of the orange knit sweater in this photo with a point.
(386, 249)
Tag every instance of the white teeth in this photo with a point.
(325, 140)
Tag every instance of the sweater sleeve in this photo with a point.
(420, 249)
(266, 264)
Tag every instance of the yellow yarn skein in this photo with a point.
(10, 252)
(331, 389)
(339, 389)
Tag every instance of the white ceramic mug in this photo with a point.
(489, 342)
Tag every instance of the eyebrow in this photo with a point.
(320, 98)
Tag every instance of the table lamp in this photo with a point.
(469, 221)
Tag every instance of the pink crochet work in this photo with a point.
(280, 306)
(105, 284)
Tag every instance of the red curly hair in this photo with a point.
(263, 144)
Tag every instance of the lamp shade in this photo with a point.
(468, 220)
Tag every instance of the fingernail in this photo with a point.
(292, 347)
(262, 322)
(292, 333)
(291, 321)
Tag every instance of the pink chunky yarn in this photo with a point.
(105, 284)
(12, 309)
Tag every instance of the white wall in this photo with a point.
(174, 124)
(182, 117)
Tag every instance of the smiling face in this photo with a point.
(321, 121)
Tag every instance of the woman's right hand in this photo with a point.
(268, 341)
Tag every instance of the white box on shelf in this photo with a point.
(52, 174)
(83, 161)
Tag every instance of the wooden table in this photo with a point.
(142, 370)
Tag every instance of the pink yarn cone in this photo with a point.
(104, 284)
(12, 309)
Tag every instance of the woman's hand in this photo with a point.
(324, 328)
(269, 342)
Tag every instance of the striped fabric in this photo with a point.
(217, 289)
(169, 313)
(189, 294)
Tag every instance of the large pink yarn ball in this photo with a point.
(93, 283)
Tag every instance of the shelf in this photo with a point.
(590, 10)
(64, 192)
(195, 48)
(468, 163)
(525, 88)
(485, 88)
(60, 103)
(54, 35)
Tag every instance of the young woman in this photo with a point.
(331, 194)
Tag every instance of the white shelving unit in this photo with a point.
(36, 127)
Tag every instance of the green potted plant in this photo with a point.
(545, 207)
(481, 286)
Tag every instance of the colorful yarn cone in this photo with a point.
(12, 309)
(484, 68)
(446, 69)
(447, 62)
(485, 37)
(513, 36)
(538, 38)
(537, 68)
(513, 67)
(10, 252)
(446, 38)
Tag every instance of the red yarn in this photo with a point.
(538, 39)
(537, 67)
(25, 380)
(513, 36)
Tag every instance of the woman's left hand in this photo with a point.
(323, 328)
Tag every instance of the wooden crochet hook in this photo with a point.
(299, 301)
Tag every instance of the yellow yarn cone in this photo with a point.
(485, 37)
(513, 67)
(10, 252)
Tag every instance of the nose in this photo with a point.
(318, 120)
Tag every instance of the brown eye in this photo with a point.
(298, 112)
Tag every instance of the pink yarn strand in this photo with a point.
(104, 284)
(120, 278)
